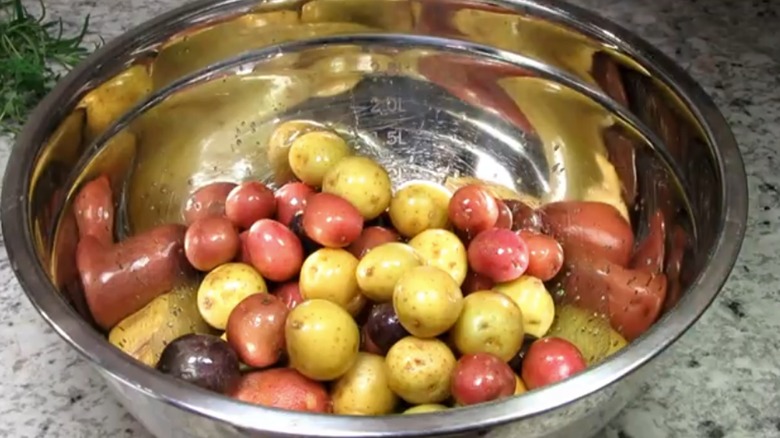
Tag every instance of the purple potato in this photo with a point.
(516, 363)
(204, 360)
(383, 327)
(296, 226)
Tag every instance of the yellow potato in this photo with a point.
(420, 206)
(223, 288)
(420, 370)
(444, 250)
(424, 409)
(427, 301)
(534, 301)
(144, 334)
(363, 390)
(380, 269)
(329, 274)
(313, 154)
(322, 339)
(280, 141)
(490, 322)
(362, 182)
(590, 332)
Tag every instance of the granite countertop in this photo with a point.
(722, 379)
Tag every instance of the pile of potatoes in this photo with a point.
(335, 293)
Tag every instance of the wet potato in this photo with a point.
(364, 389)
(322, 339)
(223, 288)
(330, 274)
(427, 301)
(313, 154)
(535, 302)
(362, 182)
(420, 370)
(419, 206)
(379, 271)
(442, 249)
(490, 322)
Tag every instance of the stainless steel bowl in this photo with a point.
(541, 97)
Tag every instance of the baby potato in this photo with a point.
(362, 182)
(223, 288)
(322, 339)
(314, 153)
(534, 301)
(282, 137)
(364, 390)
(427, 301)
(380, 269)
(424, 409)
(330, 274)
(420, 206)
(444, 250)
(420, 370)
(590, 332)
(144, 334)
(490, 322)
(519, 386)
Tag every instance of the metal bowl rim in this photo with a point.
(69, 325)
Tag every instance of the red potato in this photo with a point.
(650, 254)
(475, 282)
(248, 203)
(255, 330)
(275, 251)
(480, 378)
(283, 388)
(210, 242)
(370, 238)
(472, 209)
(208, 200)
(94, 208)
(545, 255)
(592, 227)
(505, 219)
(120, 279)
(634, 297)
(498, 254)
(291, 200)
(290, 294)
(550, 360)
(331, 220)
(523, 216)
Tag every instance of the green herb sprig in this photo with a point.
(34, 54)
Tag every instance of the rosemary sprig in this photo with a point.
(34, 54)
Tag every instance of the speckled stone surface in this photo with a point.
(721, 380)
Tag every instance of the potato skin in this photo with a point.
(364, 390)
(490, 322)
(94, 208)
(120, 279)
(420, 206)
(330, 274)
(283, 388)
(314, 153)
(322, 339)
(255, 330)
(207, 201)
(362, 182)
(533, 299)
(444, 250)
(427, 301)
(590, 227)
(379, 271)
(223, 288)
(420, 370)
